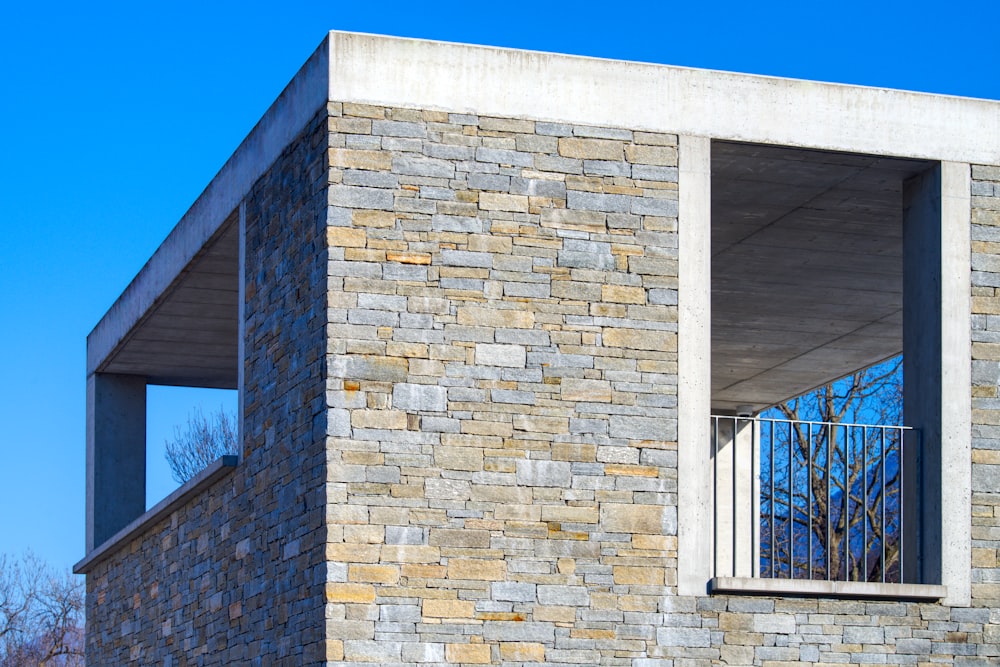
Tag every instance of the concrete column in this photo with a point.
(116, 454)
(737, 496)
(936, 377)
(694, 366)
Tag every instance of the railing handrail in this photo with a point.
(810, 421)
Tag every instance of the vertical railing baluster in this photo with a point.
(771, 496)
(864, 496)
(829, 502)
(734, 493)
(809, 492)
(791, 521)
(899, 506)
(847, 503)
(884, 457)
(715, 492)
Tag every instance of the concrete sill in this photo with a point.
(215, 471)
(833, 589)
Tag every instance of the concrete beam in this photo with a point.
(590, 91)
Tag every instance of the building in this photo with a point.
(480, 305)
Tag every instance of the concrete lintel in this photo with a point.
(299, 101)
(833, 589)
(216, 470)
(572, 89)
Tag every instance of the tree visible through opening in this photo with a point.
(830, 480)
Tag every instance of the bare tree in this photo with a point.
(41, 615)
(202, 441)
(830, 506)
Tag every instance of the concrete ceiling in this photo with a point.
(190, 335)
(807, 276)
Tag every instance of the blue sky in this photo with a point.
(113, 117)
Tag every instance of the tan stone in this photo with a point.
(631, 470)
(385, 419)
(421, 258)
(410, 553)
(458, 458)
(360, 159)
(488, 243)
(570, 451)
(632, 518)
(538, 424)
(991, 456)
(575, 389)
(590, 149)
(467, 653)
(649, 575)
(639, 339)
(656, 155)
(378, 219)
(654, 542)
(496, 201)
(522, 652)
(377, 574)
(984, 557)
(448, 608)
(356, 593)
(477, 569)
(566, 514)
(555, 614)
(352, 553)
(347, 237)
(623, 294)
(478, 316)
(593, 222)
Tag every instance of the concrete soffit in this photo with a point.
(164, 272)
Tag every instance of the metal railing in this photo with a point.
(808, 500)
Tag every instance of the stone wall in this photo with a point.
(501, 437)
(235, 575)
(502, 388)
(985, 401)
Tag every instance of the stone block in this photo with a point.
(495, 317)
(356, 593)
(639, 339)
(496, 201)
(458, 458)
(380, 419)
(649, 575)
(419, 397)
(685, 637)
(513, 591)
(477, 569)
(623, 294)
(522, 652)
(360, 159)
(633, 518)
(470, 654)
(508, 356)
(590, 149)
(435, 608)
(423, 652)
(570, 596)
(544, 473)
(539, 424)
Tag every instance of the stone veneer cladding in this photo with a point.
(502, 382)
(235, 576)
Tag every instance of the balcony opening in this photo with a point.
(170, 412)
(822, 277)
